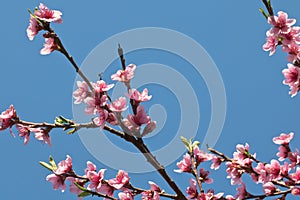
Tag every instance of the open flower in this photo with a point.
(292, 76)
(24, 131)
(139, 97)
(7, 118)
(153, 193)
(121, 179)
(124, 75)
(47, 15)
(58, 182)
(101, 86)
(81, 93)
(95, 179)
(281, 23)
(49, 46)
(283, 138)
(118, 105)
(42, 135)
(64, 166)
(33, 28)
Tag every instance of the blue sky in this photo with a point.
(40, 87)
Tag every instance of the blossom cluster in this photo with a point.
(278, 177)
(9, 118)
(99, 103)
(284, 33)
(94, 183)
(40, 20)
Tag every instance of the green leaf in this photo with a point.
(46, 165)
(81, 188)
(58, 121)
(195, 144)
(184, 141)
(264, 13)
(52, 162)
(84, 194)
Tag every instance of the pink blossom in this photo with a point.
(42, 135)
(48, 15)
(201, 156)
(234, 172)
(260, 169)
(95, 179)
(295, 191)
(23, 132)
(130, 127)
(91, 167)
(281, 23)
(285, 169)
(149, 128)
(107, 189)
(292, 75)
(273, 170)
(7, 118)
(204, 175)
(209, 195)
(241, 192)
(242, 152)
(283, 152)
(121, 179)
(292, 50)
(90, 106)
(73, 188)
(112, 119)
(269, 188)
(58, 182)
(292, 37)
(294, 158)
(94, 105)
(153, 193)
(101, 86)
(124, 75)
(139, 97)
(271, 43)
(100, 120)
(64, 166)
(296, 176)
(140, 117)
(192, 189)
(33, 28)
(283, 138)
(49, 46)
(126, 195)
(185, 164)
(118, 105)
(81, 93)
(216, 162)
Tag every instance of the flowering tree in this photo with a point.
(278, 178)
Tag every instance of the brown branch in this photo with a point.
(63, 50)
(267, 3)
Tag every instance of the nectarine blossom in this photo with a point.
(139, 97)
(49, 46)
(47, 15)
(124, 75)
(118, 105)
(281, 23)
(7, 118)
(42, 135)
(283, 138)
(121, 179)
(81, 93)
